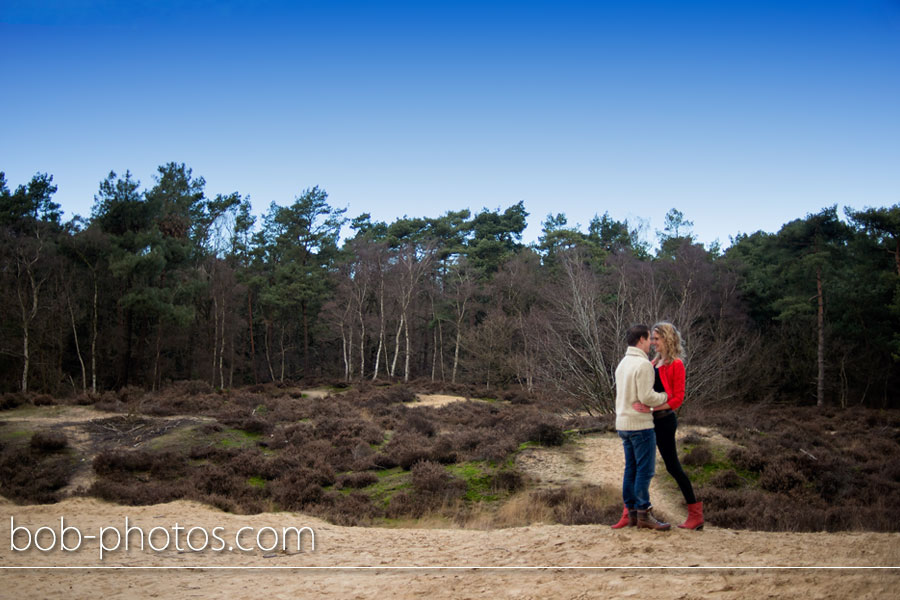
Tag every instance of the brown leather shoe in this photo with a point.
(647, 521)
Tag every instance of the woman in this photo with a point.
(666, 340)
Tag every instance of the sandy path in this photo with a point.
(554, 546)
(435, 400)
(597, 459)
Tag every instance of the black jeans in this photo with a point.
(665, 440)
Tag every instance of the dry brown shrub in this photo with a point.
(507, 481)
(28, 475)
(394, 394)
(727, 478)
(135, 493)
(348, 510)
(747, 459)
(48, 441)
(43, 400)
(432, 480)
(12, 400)
(356, 480)
(698, 456)
(781, 475)
(443, 451)
(417, 421)
(406, 449)
(573, 505)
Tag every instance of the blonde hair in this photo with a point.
(672, 340)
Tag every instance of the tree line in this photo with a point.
(166, 283)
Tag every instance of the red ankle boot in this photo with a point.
(629, 519)
(695, 517)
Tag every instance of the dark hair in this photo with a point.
(636, 333)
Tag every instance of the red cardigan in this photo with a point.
(672, 376)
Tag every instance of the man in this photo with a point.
(634, 383)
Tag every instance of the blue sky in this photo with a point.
(741, 114)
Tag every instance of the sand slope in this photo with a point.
(542, 545)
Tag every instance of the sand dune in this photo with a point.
(445, 563)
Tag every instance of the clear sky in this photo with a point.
(743, 114)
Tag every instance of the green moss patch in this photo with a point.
(478, 477)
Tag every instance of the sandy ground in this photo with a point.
(574, 562)
(434, 400)
(406, 561)
(598, 459)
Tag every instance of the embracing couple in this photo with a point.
(647, 394)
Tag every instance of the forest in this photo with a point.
(166, 284)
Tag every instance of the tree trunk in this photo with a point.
(94, 339)
(78, 349)
(380, 330)
(156, 374)
(27, 317)
(344, 354)
(26, 362)
(406, 366)
(252, 344)
(281, 344)
(305, 340)
(820, 381)
(222, 347)
(434, 355)
(456, 352)
(268, 357)
(215, 337)
(362, 346)
(440, 329)
(397, 346)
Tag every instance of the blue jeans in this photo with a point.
(640, 464)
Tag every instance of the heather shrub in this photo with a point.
(494, 450)
(443, 451)
(579, 505)
(138, 493)
(12, 400)
(416, 421)
(747, 459)
(548, 434)
(340, 430)
(405, 449)
(517, 397)
(122, 464)
(43, 400)
(781, 475)
(110, 462)
(396, 394)
(698, 456)
(296, 491)
(692, 439)
(48, 441)
(193, 387)
(28, 475)
(347, 510)
(727, 478)
(130, 393)
(248, 423)
(507, 481)
(433, 480)
(356, 480)
(404, 504)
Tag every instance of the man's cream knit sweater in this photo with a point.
(634, 382)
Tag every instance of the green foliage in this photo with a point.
(166, 283)
(28, 204)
